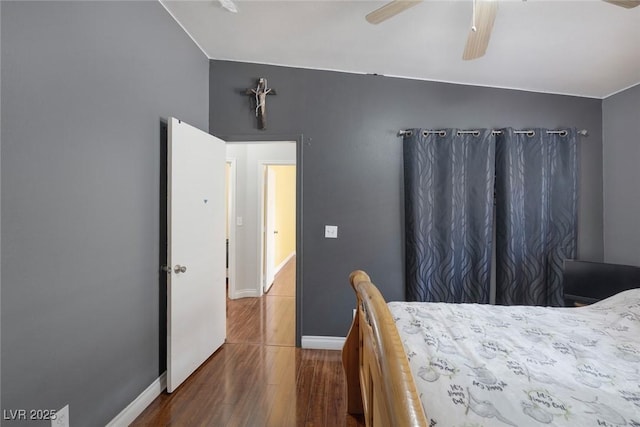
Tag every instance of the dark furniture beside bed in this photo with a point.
(587, 282)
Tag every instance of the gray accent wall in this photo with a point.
(85, 88)
(0, 205)
(352, 171)
(621, 176)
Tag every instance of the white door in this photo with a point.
(196, 306)
(270, 228)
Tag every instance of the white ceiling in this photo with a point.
(582, 47)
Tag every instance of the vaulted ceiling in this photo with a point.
(584, 48)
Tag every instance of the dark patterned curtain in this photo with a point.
(448, 181)
(536, 211)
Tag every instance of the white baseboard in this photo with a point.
(140, 403)
(245, 293)
(283, 263)
(322, 343)
(277, 269)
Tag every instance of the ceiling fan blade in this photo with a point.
(478, 40)
(628, 4)
(389, 10)
(229, 5)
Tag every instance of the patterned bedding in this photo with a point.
(481, 365)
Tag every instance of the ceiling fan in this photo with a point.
(484, 15)
(229, 5)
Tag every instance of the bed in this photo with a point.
(428, 364)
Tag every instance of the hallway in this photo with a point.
(258, 377)
(269, 320)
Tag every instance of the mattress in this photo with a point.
(483, 365)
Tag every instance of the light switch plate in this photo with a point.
(330, 231)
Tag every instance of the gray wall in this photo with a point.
(352, 163)
(85, 86)
(0, 206)
(621, 177)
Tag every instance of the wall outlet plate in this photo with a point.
(331, 231)
(62, 418)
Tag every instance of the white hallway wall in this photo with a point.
(249, 157)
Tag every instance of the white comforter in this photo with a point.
(481, 365)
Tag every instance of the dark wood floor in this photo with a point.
(259, 377)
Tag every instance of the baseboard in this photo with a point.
(140, 403)
(244, 293)
(283, 263)
(322, 343)
(277, 269)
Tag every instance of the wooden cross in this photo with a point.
(260, 93)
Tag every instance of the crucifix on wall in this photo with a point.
(260, 93)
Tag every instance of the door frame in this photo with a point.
(231, 217)
(262, 255)
(300, 142)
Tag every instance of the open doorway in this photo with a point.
(242, 235)
(246, 211)
(249, 164)
(278, 220)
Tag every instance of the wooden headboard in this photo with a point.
(379, 380)
(586, 282)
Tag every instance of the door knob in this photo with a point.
(180, 268)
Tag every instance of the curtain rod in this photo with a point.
(582, 132)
